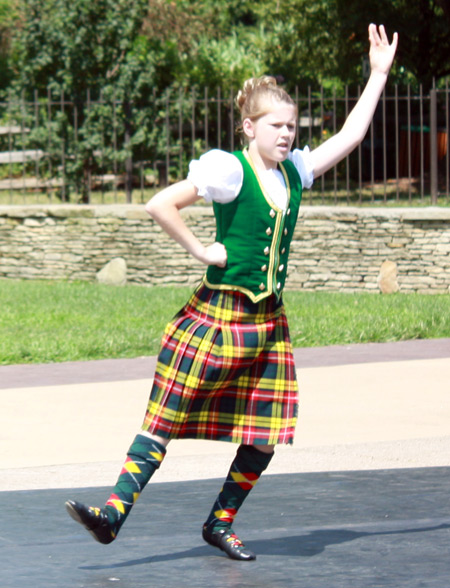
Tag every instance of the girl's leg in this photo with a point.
(245, 471)
(143, 458)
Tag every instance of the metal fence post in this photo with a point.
(413, 159)
(128, 116)
(63, 154)
(433, 147)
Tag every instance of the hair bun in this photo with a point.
(253, 85)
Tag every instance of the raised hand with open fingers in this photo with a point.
(381, 51)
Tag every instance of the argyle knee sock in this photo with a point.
(247, 467)
(143, 458)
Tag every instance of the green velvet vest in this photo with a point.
(257, 235)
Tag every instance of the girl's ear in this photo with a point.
(248, 128)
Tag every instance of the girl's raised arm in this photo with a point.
(165, 208)
(355, 127)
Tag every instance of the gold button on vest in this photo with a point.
(281, 268)
(278, 286)
(285, 231)
(264, 268)
(288, 212)
(283, 251)
(266, 251)
(268, 231)
(262, 286)
(272, 213)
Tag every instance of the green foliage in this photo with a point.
(300, 40)
(224, 63)
(9, 16)
(230, 15)
(423, 27)
(113, 66)
(113, 60)
(140, 45)
(74, 46)
(97, 55)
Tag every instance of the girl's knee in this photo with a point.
(265, 448)
(161, 440)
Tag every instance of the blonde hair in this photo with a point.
(253, 100)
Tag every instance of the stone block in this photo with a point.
(387, 278)
(65, 211)
(113, 273)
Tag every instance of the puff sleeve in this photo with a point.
(217, 175)
(301, 158)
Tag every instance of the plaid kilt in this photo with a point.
(225, 372)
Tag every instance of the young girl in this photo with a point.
(225, 369)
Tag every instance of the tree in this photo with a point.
(423, 27)
(298, 41)
(9, 16)
(73, 46)
(109, 58)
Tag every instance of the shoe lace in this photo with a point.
(234, 539)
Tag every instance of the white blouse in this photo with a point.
(218, 176)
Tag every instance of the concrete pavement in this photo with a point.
(362, 407)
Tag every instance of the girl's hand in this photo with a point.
(381, 53)
(215, 254)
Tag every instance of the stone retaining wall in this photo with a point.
(334, 248)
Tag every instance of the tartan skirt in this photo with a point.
(225, 372)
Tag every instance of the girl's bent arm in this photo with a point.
(355, 127)
(165, 208)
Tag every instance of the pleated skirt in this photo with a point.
(225, 372)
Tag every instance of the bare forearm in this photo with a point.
(355, 127)
(169, 218)
(165, 208)
(359, 119)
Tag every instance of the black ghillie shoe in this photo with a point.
(93, 519)
(229, 542)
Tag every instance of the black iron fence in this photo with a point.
(57, 149)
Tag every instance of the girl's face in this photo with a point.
(271, 136)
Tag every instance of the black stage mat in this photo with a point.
(363, 529)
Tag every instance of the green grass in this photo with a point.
(66, 321)
(326, 318)
(62, 321)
